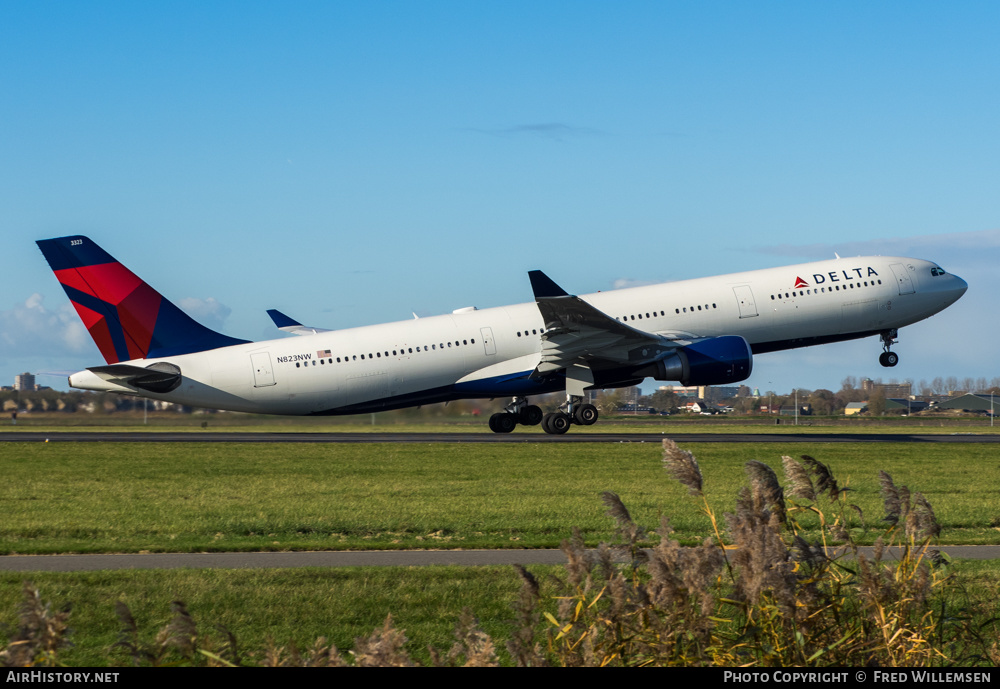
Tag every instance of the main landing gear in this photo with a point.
(572, 412)
(553, 423)
(517, 412)
(887, 358)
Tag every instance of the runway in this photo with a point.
(484, 437)
(371, 558)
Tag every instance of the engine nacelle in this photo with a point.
(715, 361)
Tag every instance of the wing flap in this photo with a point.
(578, 332)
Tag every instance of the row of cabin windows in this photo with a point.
(682, 309)
(379, 355)
(803, 293)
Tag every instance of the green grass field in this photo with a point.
(162, 497)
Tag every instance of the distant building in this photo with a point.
(704, 392)
(853, 408)
(973, 403)
(889, 390)
(25, 381)
(906, 404)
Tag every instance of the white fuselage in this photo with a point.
(488, 352)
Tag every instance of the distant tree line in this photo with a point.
(821, 401)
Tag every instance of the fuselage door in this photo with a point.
(902, 278)
(488, 342)
(263, 374)
(744, 297)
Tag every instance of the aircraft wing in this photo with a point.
(578, 333)
(289, 325)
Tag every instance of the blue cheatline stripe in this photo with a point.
(110, 314)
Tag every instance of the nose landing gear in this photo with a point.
(887, 358)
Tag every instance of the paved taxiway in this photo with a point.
(371, 558)
(486, 437)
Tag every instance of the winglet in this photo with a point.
(289, 325)
(281, 320)
(543, 286)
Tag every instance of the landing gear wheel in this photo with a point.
(502, 423)
(888, 359)
(556, 423)
(585, 415)
(530, 415)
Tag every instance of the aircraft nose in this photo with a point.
(960, 286)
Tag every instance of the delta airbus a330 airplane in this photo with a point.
(697, 332)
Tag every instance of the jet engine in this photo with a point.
(713, 361)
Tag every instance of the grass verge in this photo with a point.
(161, 497)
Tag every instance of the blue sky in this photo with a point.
(351, 163)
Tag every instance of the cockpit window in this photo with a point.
(936, 270)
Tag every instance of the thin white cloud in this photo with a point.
(625, 283)
(209, 312)
(30, 329)
(555, 131)
(894, 246)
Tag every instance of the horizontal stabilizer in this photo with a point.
(289, 325)
(160, 377)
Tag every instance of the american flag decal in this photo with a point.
(323, 354)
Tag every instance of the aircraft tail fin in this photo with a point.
(127, 318)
